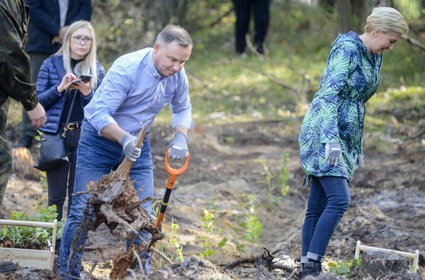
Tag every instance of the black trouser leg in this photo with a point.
(242, 11)
(57, 184)
(261, 18)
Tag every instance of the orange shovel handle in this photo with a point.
(172, 171)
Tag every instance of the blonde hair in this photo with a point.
(386, 19)
(89, 64)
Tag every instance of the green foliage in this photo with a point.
(343, 268)
(210, 248)
(239, 246)
(284, 174)
(171, 247)
(20, 234)
(411, 9)
(282, 177)
(174, 243)
(252, 224)
(208, 221)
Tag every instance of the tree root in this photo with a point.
(115, 203)
(264, 260)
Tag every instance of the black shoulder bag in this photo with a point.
(52, 150)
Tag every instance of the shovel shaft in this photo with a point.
(165, 200)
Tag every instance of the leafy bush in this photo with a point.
(36, 235)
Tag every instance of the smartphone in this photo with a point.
(85, 78)
(75, 81)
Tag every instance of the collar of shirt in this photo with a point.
(152, 68)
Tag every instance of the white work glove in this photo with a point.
(178, 147)
(333, 153)
(128, 143)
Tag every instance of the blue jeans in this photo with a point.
(329, 199)
(96, 157)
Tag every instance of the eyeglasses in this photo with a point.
(80, 39)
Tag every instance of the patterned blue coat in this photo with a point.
(337, 111)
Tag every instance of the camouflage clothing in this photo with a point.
(15, 74)
(337, 111)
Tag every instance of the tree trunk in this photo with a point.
(327, 4)
(343, 8)
(358, 8)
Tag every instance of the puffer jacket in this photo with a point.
(336, 114)
(49, 77)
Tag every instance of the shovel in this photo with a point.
(173, 173)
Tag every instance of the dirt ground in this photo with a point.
(387, 208)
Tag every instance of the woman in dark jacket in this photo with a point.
(58, 87)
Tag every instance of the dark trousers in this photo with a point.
(243, 10)
(60, 181)
(25, 125)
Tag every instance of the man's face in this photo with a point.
(170, 58)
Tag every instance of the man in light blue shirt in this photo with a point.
(133, 92)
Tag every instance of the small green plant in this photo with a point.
(174, 243)
(21, 234)
(239, 246)
(209, 224)
(284, 174)
(269, 177)
(252, 225)
(170, 246)
(41, 201)
(343, 268)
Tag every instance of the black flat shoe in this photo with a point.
(311, 269)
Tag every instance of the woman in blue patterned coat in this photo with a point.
(56, 88)
(331, 137)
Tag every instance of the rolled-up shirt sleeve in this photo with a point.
(108, 97)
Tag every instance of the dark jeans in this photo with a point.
(98, 156)
(60, 181)
(243, 10)
(25, 126)
(329, 199)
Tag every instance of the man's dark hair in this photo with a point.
(174, 33)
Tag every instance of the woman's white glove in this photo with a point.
(333, 153)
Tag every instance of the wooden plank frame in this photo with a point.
(42, 259)
(414, 256)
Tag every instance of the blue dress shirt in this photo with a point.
(133, 93)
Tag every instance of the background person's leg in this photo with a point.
(243, 12)
(5, 164)
(56, 187)
(261, 20)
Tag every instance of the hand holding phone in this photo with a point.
(85, 78)
(75, 82)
